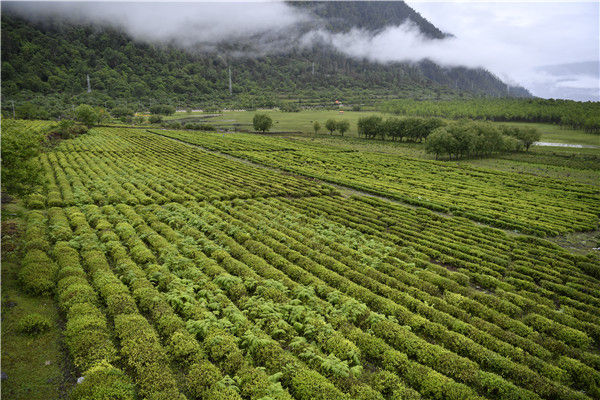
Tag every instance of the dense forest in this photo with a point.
(48, 64)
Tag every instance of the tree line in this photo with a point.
(478, 139)
(568, 113)
(455, 139)
(411, 129)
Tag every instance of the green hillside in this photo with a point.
(48, 64)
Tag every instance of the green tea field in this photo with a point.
(241, 266)
(299, 200)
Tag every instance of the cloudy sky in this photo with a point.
(549, 47)
(552, 48)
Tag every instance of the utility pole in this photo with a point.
(13, 107)
(89, 87)
(230, 89)
(313, 68)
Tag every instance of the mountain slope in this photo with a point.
(372, 16)
(50, 64)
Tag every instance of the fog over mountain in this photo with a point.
(551, 48)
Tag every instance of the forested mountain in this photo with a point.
(373, 16)
(49, 64)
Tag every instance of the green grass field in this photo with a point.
(303, 122)
(285, 121)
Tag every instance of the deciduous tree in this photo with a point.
(262, 122)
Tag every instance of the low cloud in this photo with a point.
(193, 26)
(528, 42)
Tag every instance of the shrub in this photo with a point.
(206, 127)
(310, 385)
(67, 129)
(592, 269)
(171, 125)
(316, 127)
(254, 383)
(155, 119)
(222, 349)
(21, 172)
(76, 293)
(141, 254)
(66, 272)
(289, 107)
(183, 347)
(33, 324)
(199, 127)
(121, 303)
(201, 377)
(87, 115)
(104, 382)
(35, 201)
(87, 337)
(386, 382)
(222, 393)
(38, 272)
(146, 356)
(364, 392)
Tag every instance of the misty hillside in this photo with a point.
(52, 60)
(373, 16)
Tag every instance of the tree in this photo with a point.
(161, 109)
(429, 125)
(86, 115)
(316, 127)
(439, 142)
(121, 111)
(370, 126)
(413, 128)
(101, 115)
(528, 136)
(21, 171)
(394, 127)
(31, 111)
(262, 122)
(331, 126)
(343, 126)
